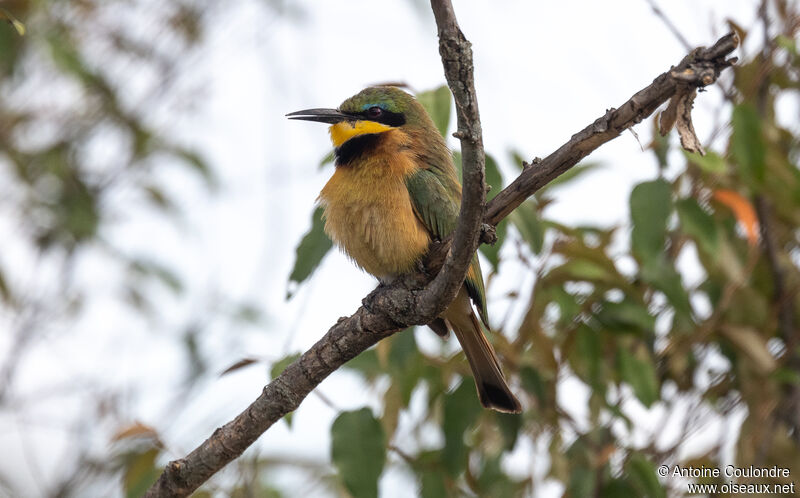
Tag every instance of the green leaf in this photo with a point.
(626, 316)
(403, 348)
(533, 383)
(787, 43)
(642, 475)
(640, 374)
(662, 275)
(699, 225)
(367, 364)
(711, 163)
(581, 483)
(650, 204)
(358, 450)
(747, 144)
(618, 488)
(140, 472)
(433, 485)
(314, 246)
(196, 162)
(493, 177)
(437, 103)
(279, 366)
(329, 158)
(509, 424)
(587, 362)
(529, 224)
(164, 274)
(5, 290)
(461, 409)
(403, 360)
(7, 16)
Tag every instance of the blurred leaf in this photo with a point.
(588, 356)
(492, 481)
(747, 144)
(358, 451)
(164, 274)
(135, 430)
(711, 163)
(244, 362)
(698, 224)
(753, 345)
(403, 348)
(581, 483)
(642, 474)
(493, 178)
(742, 209)
(650, 205)
(367, 364)
(787, 43)
(626, 316)
(461, 409)
(640, 374)
(314, 246)
(433, 485)
(529, 224)
(140, 472)
(660, 145)
(5, 291)
(403, 360)
(533, 383)
(159, 198)
(582, 270)
(617, 488)
(663, 276)
(199, 165)
(437, 103)
(6, 16)
(329, 158)
(248, 313)
(510, 425)
(279, 366)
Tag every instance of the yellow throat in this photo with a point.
(344, 131)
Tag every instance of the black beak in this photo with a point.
(331, 116)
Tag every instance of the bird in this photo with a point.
(394, 191)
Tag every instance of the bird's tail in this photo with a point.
(493, 391)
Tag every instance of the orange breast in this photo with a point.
(368, 210)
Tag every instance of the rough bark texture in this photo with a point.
(410, 301)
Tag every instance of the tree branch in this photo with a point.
(390, 308)
(456, 53)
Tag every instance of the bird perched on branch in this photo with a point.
(394, 190)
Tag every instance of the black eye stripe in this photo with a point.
(386, 117)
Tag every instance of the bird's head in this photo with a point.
(374, 110)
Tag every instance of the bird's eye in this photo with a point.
(374, 112)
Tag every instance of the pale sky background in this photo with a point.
(543, 71)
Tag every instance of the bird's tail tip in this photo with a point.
(498, 398)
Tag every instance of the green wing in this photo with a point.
(436, 200)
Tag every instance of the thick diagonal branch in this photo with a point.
(408, 302)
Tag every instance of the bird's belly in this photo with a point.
(374, 223)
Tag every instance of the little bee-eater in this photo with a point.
(394, 190)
